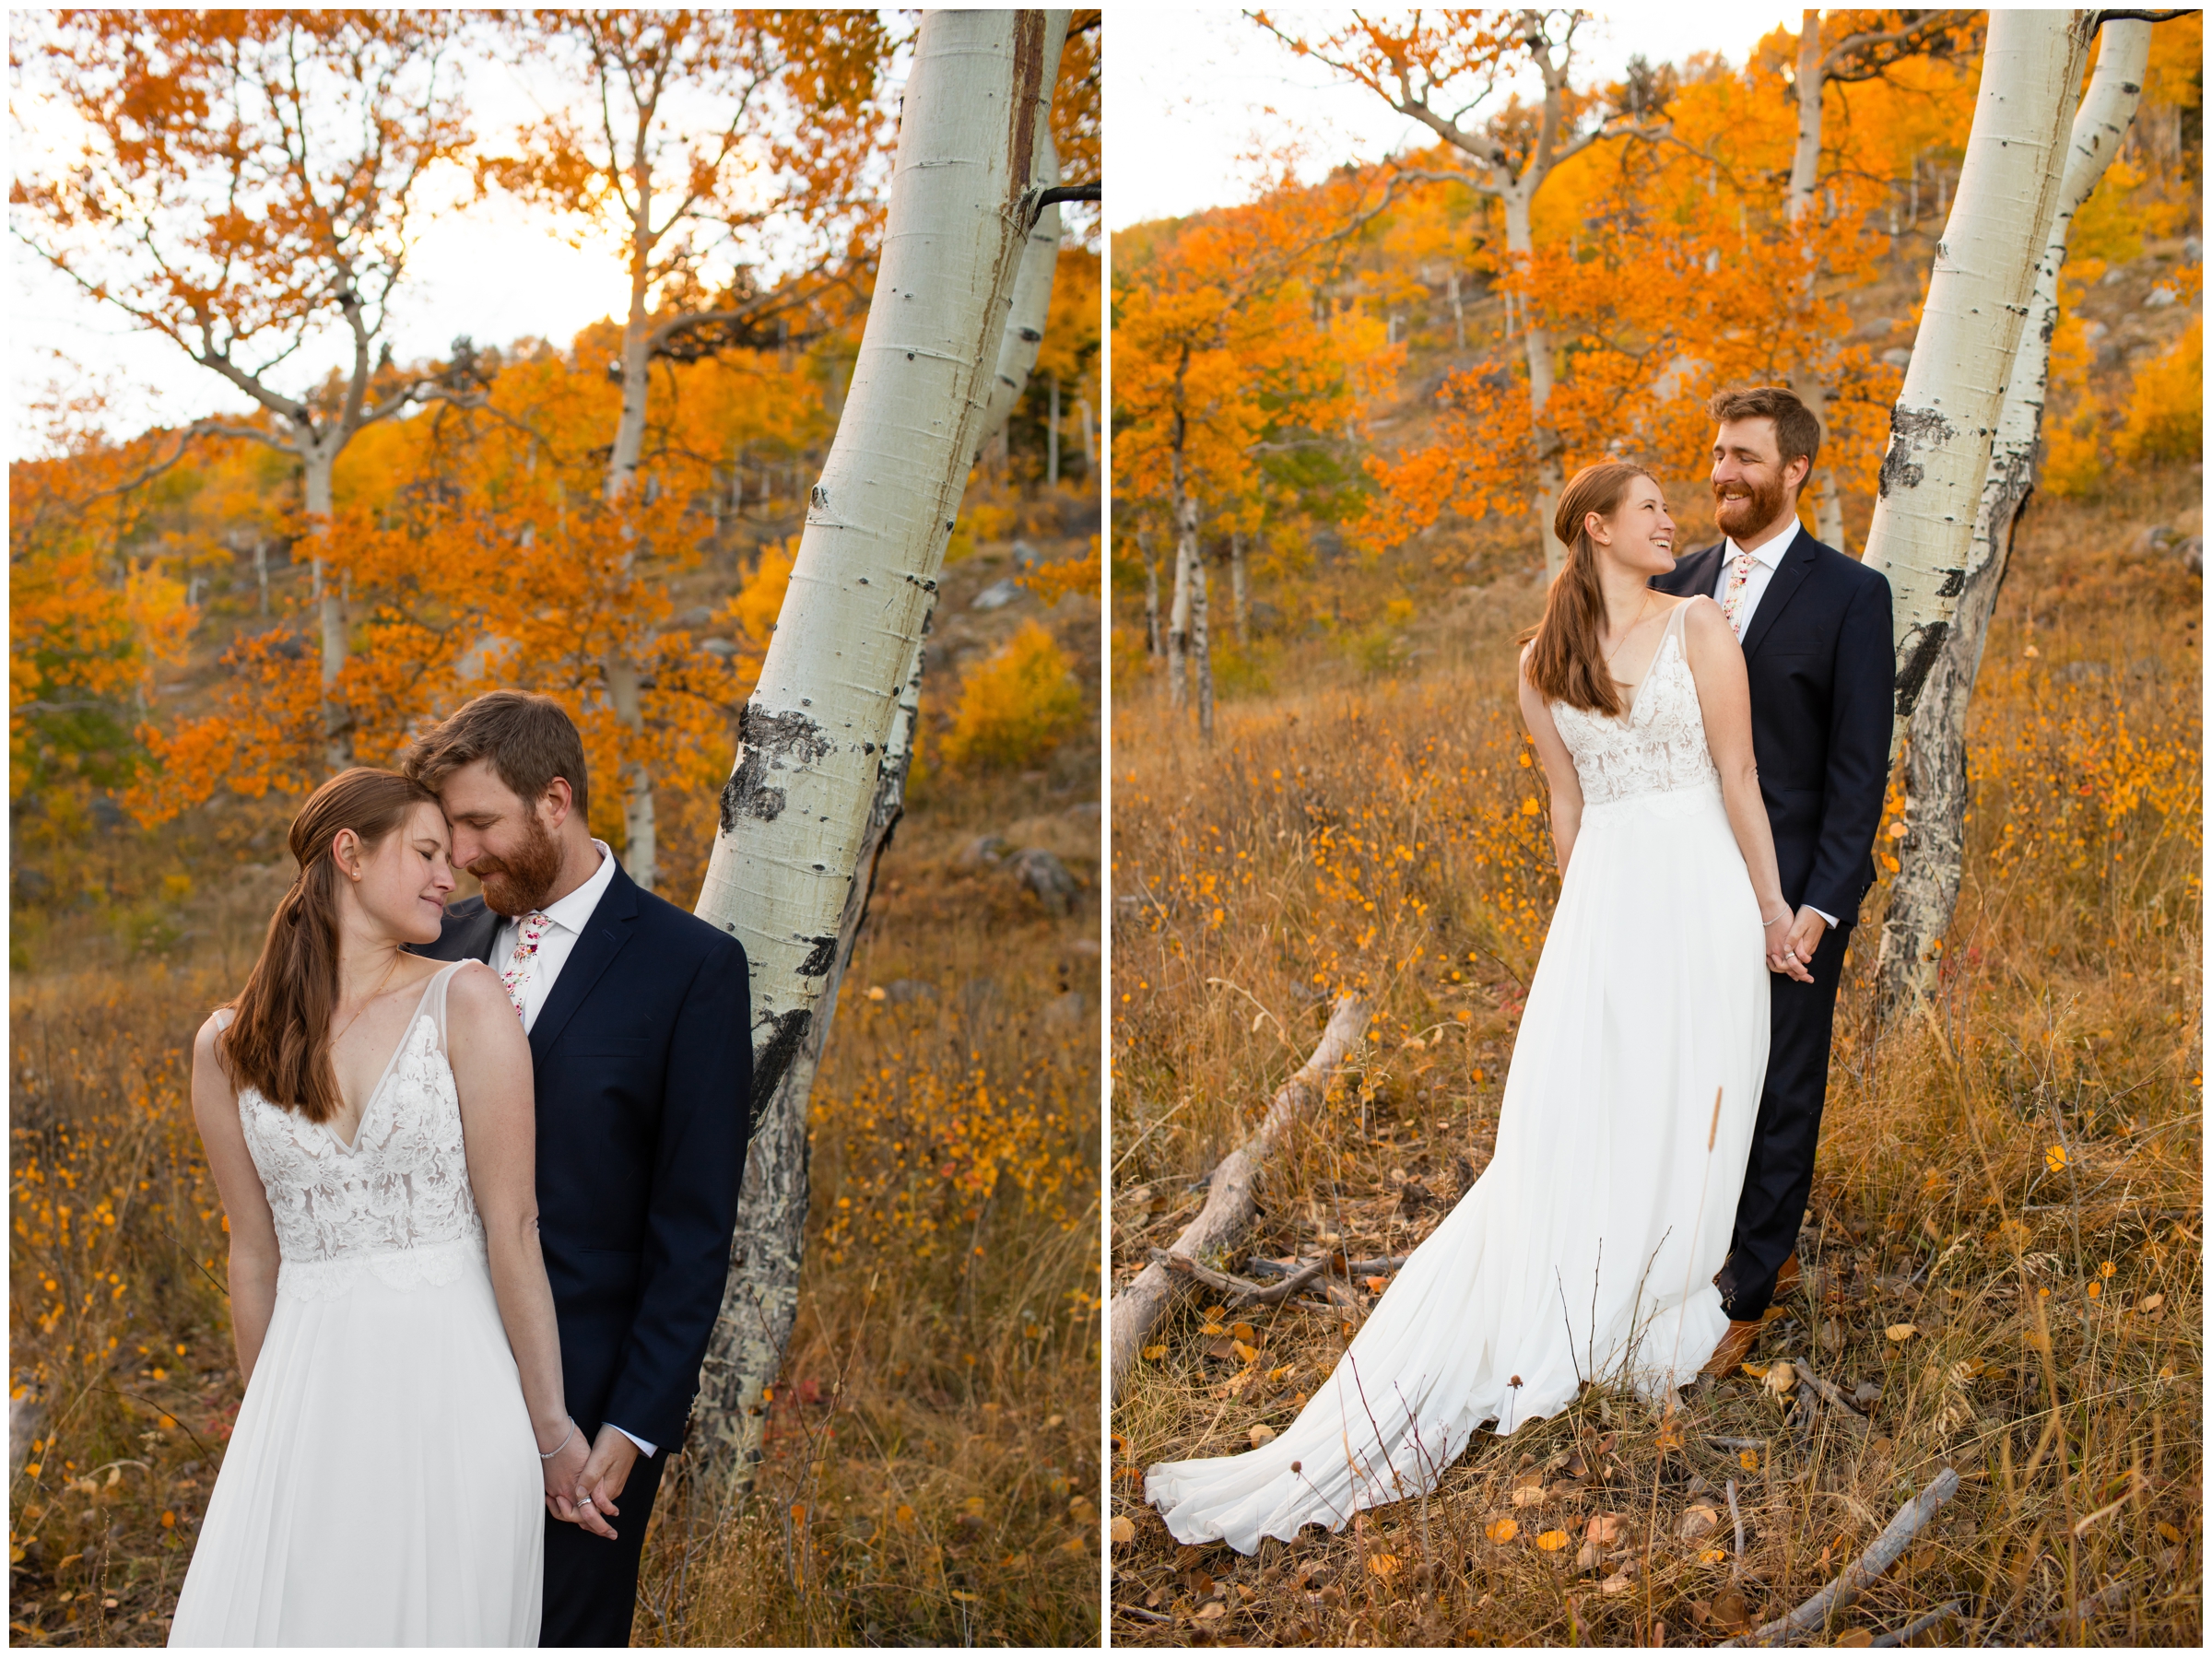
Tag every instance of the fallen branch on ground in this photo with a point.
(1241, 1291)
(2111, 1597)
(1878, 1558)
(1914, 1629)
(1229, 1204)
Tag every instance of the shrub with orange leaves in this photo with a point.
(1015, 704)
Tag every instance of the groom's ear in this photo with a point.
(558, 801)
(1795, 472)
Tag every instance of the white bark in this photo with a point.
(1811, 83)
(1032, 301)
(1536, 346)
(820, 773)
(1240, 596)
(1941, 428)
(1931, 855)
(1179, 606)
(1202, 654)
(1144, 548)
(1230, 1199)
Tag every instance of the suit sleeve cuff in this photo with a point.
(645, 1450)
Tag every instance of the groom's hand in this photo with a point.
(605, 1474)
(1804, 938)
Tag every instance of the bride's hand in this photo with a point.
(561, 1470)
(1778, 959)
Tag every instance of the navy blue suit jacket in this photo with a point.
(1823, 681)
(643, 1060)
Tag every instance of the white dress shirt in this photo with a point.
(1765, 560)
(565, 920)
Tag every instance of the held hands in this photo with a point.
(1791, 940)
(562, 1471)
(601, 1480)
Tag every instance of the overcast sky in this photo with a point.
(1192, 89)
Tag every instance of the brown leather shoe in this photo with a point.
(1735, 1347)
(1786, 1280)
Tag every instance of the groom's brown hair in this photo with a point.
(529, 739)
(1796, 431)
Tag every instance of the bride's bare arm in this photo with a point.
(490, 1059)
(1558, 767)
(254, 1256)
(1716, 663)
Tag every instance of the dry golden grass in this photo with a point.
(932, 1456)
(2015, 1177)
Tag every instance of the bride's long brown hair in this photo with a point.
(278, 1040)
(1567, 665)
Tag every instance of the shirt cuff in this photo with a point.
(645, 1450)
(1821, 912)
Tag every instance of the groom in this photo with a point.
(639, 1038)
(1815, 629)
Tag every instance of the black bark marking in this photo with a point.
(1954, 583)
(1924, 649)
(1911, 431)
(766, 742)
(819, 958)
(772, 1058)
(819, 498)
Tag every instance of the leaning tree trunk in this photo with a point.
(820, 773)
(1536, 344)
(1933, 854)
(319, 458)
(1941, 428)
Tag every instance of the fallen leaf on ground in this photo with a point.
(1503, 1531)
(1698, 1521)
(1375, 1285)
(1243, 1332)
(1552, 1541)
(1781, 1377)
(1711, 1555)
(2151, 1303)
(1156, 1353)
(1619, 1582)
(1261, 1434)
(1125, 1530)
(1244, 1351)
(1604, 1529)
(1748, 1459)
(1900, 1332)
(1211, 1609)
(1383, 1565)
(1529, 1495)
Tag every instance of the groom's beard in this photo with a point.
(1748, 514)
(516, 884)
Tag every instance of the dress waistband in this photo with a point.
(426, 1265)
(1688, 800)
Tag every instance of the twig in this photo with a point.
(1143, 1616)
(1242, 1290)
(1913, 1629)
(1735, 1444)
(1276, 1268)
(1829, 1392)
(1737, 1514)
(1870, 1565)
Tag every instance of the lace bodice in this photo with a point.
(398, 1200)
(1657, 747)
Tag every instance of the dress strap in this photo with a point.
(434, 999)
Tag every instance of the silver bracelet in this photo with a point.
(546, 1455)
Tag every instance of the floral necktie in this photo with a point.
(519, 965)
(1731, 599)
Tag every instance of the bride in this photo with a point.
(1587, 1249)
(367, 1115)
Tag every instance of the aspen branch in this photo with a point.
(1882, 1553)
(1229, 1205)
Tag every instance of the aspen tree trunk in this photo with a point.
(1459, 313)
(1941, 429)
(1536, 344)
(320, 459)
(823, 743)
(1808, 382)
(1144, 548)
(1052, 439)
(1090, 444)
(1239, 593)
(1931, 855)
(1202, 654)
(1179, 609)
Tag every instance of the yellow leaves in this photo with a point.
(1530, 807)
(1122, 1529)
(1900, 1332)
(1501, 1531)
(1245, 1354)
(1156, 1353)
(1382, 1566)
(2054, 1157)
(1748, 1459)
(1780, 1378)
(1016, 704)
(1551, 1542)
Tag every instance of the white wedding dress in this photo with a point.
(1587, 1248)
(381, 1487)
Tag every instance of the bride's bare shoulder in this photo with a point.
(1702, 622)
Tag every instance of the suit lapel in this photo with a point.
(1789, 575)
(604, 936)
(1696, 573)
